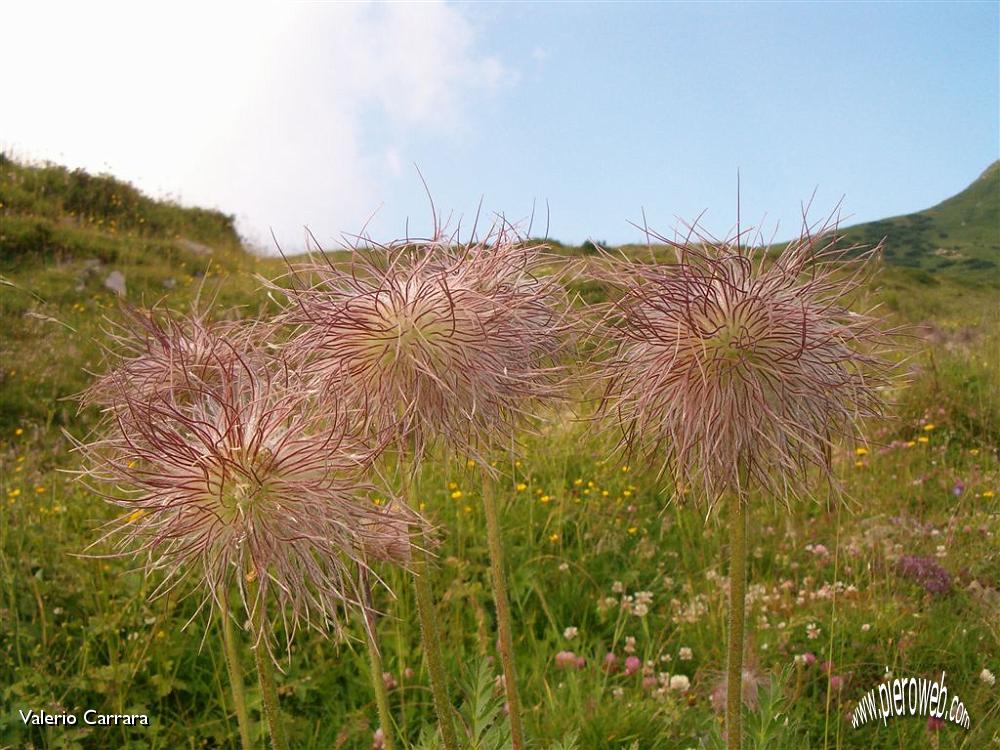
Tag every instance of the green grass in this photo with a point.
(49, 210)
(61, 234)
(79, 632)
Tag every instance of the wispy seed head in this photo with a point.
(433, 340)
(243, 488)
(733, 368)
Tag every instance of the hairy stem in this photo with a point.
(269, 693)
(737, 614)
(430, 636)
(375, 660)
(499, 580)
(235, 674)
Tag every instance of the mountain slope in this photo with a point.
(72, 247)
(48, 212)
(959, 236)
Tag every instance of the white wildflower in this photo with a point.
(680, 683)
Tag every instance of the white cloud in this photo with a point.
(286, 115)
(393, 161)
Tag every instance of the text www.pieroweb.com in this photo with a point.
(910, 696)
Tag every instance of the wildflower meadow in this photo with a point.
(483, 490)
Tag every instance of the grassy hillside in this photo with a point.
(833, 592)
(66, 238)
(959, 237)
(52, 213)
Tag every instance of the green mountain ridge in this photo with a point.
(959, 236)
(48, 212)
(51, 214)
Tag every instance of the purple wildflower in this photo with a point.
(566, 660)
(926, 572)
(632, 665)
(610, 662)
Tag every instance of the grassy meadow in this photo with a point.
(906, 578)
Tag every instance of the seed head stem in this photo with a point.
(499, 580)
(737, 616)
(429, 634)
(268, 690)
(375, 661)
(235, 675)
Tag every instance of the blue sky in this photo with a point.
(316, 115)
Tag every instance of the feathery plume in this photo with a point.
(239, 481)
(735, 366)
(158, 353)
(437, 341)
(733, 369)
(433, 340)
